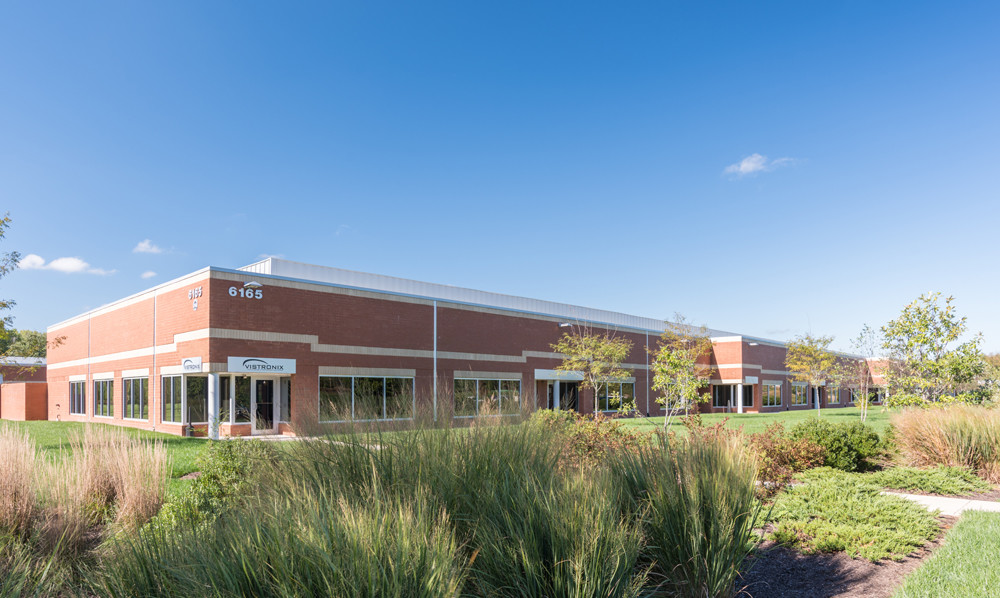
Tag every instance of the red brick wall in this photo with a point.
(23, 401)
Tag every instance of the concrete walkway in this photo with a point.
(950, 505)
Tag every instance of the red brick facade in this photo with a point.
(334, 329)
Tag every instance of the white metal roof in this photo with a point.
(428, 290)
(22, 361)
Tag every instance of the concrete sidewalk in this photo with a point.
(950, 505)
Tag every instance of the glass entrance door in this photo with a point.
(263, 406)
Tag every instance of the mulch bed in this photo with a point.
(779, 572)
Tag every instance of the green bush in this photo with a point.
(848, 446)
(232, 472)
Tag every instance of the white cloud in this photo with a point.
(148, 274)
(67, 265)
(31, 262)
(264, 256)
(146, 246)
(755, 163)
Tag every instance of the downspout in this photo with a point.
(153, 378)
(435, 384)
(647, 375)
(90, 381)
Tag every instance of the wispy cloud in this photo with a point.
(755, 163)
(146, 246)
(67, 265)
(264, 256)
(148, 274)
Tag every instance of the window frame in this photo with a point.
(835, 391)
(185, 415)
(78, 397)
(478, 382)
(128, 391)
(106, 396)
(413, 399)
(771, 399)
(178, 382)
(797, 391)
(731, 404)
(607, 398)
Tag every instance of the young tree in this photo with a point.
(597, 355)
(8, 263)
(855, 373)
(924, 363)
(680, 366)
(809, 359)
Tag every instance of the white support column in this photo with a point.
(739, 398)
(213, 406)
(555, 395)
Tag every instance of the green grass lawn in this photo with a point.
(965, 566)
(878, 418)
(54, 437)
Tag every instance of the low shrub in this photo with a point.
(232, 474)
(848, 446)
(955, 481)
(696, 499)
(958, 435)
(780, 456)
(952, 481)
(835, 511)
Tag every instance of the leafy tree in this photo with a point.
(8, 263)
(680, 366)
(926, 362)
(809, 359)
(597, 355)
(24, 343)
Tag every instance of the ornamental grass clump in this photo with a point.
(958, 435)
(18, 501)
(696, 498)
(301, 542)
(528, 526)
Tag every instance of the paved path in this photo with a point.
(950, 505)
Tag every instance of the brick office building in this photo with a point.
(279, 344)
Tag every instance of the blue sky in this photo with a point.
(766, 168)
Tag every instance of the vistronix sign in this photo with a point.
(260, 365)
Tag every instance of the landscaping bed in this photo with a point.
(776, 571)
